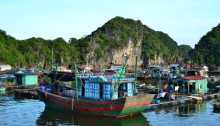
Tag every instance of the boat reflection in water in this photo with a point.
(55, 117)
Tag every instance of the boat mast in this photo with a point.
(76, 82)
(126, 61)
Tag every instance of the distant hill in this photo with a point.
(110, 43)
(34, 51)
(207, 51)
(119, 36)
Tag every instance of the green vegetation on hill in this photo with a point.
(117, 32)
(113, 35)
(33, 51)
(207, 51)
(184, 50)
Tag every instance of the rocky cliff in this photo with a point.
(121, 37)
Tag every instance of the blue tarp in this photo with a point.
(174, 65)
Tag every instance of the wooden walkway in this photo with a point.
(184, 100)
(26, 93)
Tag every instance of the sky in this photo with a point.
(185, 21)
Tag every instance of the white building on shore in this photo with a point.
(5, 67)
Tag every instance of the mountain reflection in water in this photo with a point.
(54, 117)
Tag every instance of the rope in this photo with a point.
(44, 78)
(60, 78)
(55, 81)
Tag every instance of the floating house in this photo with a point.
(26, 79)
(159, 71)
(190, 84)
(7, 80)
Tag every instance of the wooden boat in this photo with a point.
(108, 95)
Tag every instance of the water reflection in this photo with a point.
(190, 109)
(200, 114)
(5, 97)
(54, 117)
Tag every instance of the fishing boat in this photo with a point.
(101, 95)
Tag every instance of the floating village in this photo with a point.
(116, 91)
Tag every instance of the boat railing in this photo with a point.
(107, 78)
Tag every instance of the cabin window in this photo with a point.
(101, 91)
(124, 86)
(3, 79)
(200, 86)
(10, 79)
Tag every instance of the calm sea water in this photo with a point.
(27, 112)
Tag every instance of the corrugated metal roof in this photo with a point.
(193, 77)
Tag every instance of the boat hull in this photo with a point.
(112, 108)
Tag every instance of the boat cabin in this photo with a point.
(103, 87)
(190, 84)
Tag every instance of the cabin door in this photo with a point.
(19, 79)
(83, 88)
(101, 91)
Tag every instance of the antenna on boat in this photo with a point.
(75, 76)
